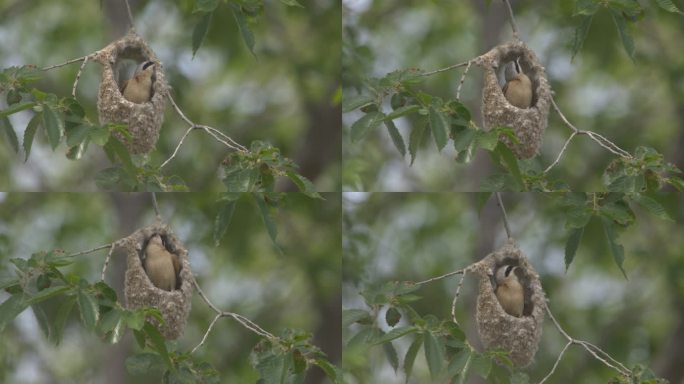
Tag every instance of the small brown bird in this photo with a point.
(138, 89)
(161, 265)
(509, 291)
(518, 88)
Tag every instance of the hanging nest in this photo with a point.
(528, 124)
(519, 336)
(139, 290)
(144, 120)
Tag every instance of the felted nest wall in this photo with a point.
(144, 120)
(519, 336)
(528, 124)
(139, 290)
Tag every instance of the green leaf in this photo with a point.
(581, 34)
(145, 363)
(458, 364)
(17, 108)
(241, 180)
(10, 309)
(439, 124)
(42, 319)
(9, 132)
(223, 218)
(76, 135)
(205, 6)
(417, 135)
(668, 6)
(61, 317)
(329, 369)
(369, 121)
(135, 320)
(199, 32)
(305, 185)
(291, 3)
(510, 161)
(481, 365)
(434, 354)
(351, 316)
(625, 35)
(411, 354)
(652, 206)
(351, 103)
(158, 343)
(586, 7)
(487, 140)
(395, 334)
(47, 293)
(114, 324)
(396, 137)
(247, 35)
(571, 245)
(391, 354)
(267, 217)
(464, 138)
(616, 249)
(482, 198)
(99, 135)
(30, 133)
(53, 125)
(402, 111)
(117, 148)
(89, 309)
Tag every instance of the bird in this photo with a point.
(161, 265)
(509, 291)
(138, 89)
(518, 87)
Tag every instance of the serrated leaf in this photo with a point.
(581, 32)
(396, 137)
(571, 245)
(53, 125)
(17, 108)
(144, 363)
(245, 32)
(205, 6)
(411, 354)
(417, 135)
(486, 140)
(391, 354)
(47, 293)
(458, 363)
(586, 7)
(402, 111)
(199, 32)
(99, 135)
(351, 316)
(434, 354)
(267, 217)
(652, 206)
(305, 185)
(395, 334)
(241, 180)
(89, 309)
(369, 121)
(291, 3)
(135, 320)
(510, 161)
(438, 124)
(60, 319)
(223, 218)
(329, 369)
(9, 132)
(30, 133)
(351, 103)
(625, 35)
(158, 343)
(464, 138)
(668, 6)
(616, 249)
(481, 365)
(10, 309)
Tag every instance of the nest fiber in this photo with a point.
(139, 290)
(519, 336)
(144, 120)
(528, 124)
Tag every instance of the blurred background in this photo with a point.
(638, 103)
(288, 95)
(413, 237)
(296, 288)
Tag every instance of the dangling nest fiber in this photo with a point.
(144, 120)
(139, 290)
(498, 330)
(529, 124)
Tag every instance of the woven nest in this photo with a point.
(139, 290)
(519, 336)
(144, 120)
(528, 124)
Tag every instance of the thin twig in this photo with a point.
(130, 14)
(218, 316)
(463, 64)
(155, 205)
(91, 250)
(503, 214)
(458, 292)
(107, 259)
(555, 365)
(514, 26)
(565, 146)
(175, 151)
(463, 76)
(65, 63)
(78, 76)
(441, 277)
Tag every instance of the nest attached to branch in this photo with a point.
(144, 120)
(528, 124)
(139, 290)
(519, 336)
